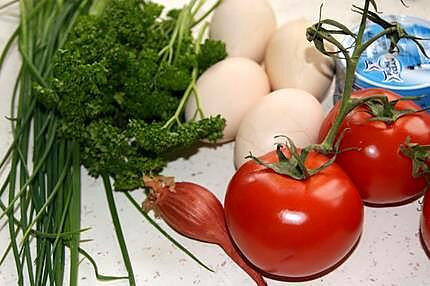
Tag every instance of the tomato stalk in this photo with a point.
(318, 34)
(293, 162)
(351, 66)
(382, 109)
(420, 157)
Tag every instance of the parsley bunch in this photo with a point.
(120, 83)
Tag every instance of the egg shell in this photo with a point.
(291, 61)
(291, 112)
(245, 26)
(229, 88)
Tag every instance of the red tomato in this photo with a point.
(293, 228)
(425, 222)
(380, 171)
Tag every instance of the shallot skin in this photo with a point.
(182, 208)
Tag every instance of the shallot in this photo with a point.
(195, 212)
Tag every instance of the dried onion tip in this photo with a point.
(195, 212)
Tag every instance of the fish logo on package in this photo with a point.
(388, 65)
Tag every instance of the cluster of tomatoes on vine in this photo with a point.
(297, 213)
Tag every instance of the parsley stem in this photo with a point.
(191, 89)
(208, 12)
(184, 99)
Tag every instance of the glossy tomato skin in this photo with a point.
(380, 171)
(425, 222)
(293, 228)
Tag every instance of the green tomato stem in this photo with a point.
(365, 45)
(362, 27)
(346, 105)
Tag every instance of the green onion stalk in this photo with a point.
(42, 185)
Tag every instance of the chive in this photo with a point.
(6, 252)
(17, 135)
(12, 231)
(41, 250)
(7, 4)
(62, 38)
(96, 271)
(163, 232)
(48, 266)
(33, 176)
(24, 205)
(61, 207)
(32, 68)
(35, 195)
(15, 93)
(8, 46)
(61, 220)
(48, 200)
(4, 187)
(118, 230)
(74, 213)
(20, 165)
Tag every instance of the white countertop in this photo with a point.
(389, 252)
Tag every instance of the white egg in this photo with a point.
(245, 26)
(291, 112)
(229, 88)
(293, 62)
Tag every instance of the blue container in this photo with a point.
(406, 71)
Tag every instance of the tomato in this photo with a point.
(425, 222)
(380, 171)
(293, 228)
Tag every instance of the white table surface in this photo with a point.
(389, 252)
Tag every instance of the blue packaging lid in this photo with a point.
(407, 70)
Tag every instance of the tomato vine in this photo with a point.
(322, 34)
